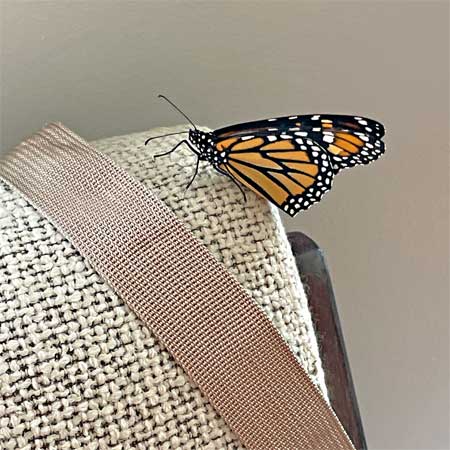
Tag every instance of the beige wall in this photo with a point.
(98, 66)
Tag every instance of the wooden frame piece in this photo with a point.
(316, 279)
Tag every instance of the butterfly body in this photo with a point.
(291, 161)
(204, 143)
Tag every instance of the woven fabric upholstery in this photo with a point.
(78, 369)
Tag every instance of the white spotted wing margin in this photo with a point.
(314, 193)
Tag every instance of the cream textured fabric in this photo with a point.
(77, 368)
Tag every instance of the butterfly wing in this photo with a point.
(292, 173)
(349, 140)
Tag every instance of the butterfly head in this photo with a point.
(201, 142)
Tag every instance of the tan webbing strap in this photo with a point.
(212, 327)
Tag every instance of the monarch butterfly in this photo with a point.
(291, 161)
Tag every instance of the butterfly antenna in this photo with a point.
(178, 109)
(164, 135)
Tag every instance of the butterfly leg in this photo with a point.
(195, 174)
(163, 135)
(227, 174)
(184, 141)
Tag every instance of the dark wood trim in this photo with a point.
(316, 279)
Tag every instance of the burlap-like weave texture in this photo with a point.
(78, 369)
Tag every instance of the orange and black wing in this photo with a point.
(292, 173)
(349, 140)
